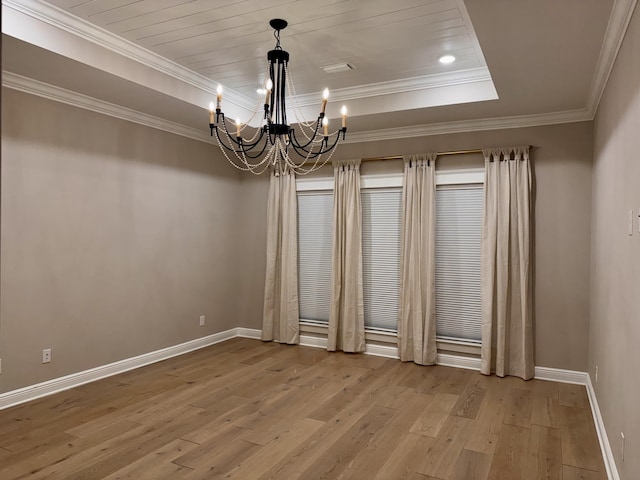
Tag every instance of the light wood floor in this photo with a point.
(250, 410)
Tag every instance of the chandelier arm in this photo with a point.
(220, 141)
(332, 147)
(243, 164)
(247, 165)
(236, 152)
(320, 150)
(266, 161)
(299, 167)
(232, 162)
(246, 145)
(242, 143)
(245, 151)
(310, 155)
(317, 164)
(324, 141)
(297, 144)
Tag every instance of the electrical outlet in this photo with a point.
(46, 355)
(596, 373)
(622, 444)
(202, 320)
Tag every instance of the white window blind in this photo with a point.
(458, 235)
(381, 223)
(315, 219)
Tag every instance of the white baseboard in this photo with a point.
(381, 350)
(469, 363)
(248, 333)
(311, 341)
(605, 446)
(371, 349)
(560, 375)
(32, 392)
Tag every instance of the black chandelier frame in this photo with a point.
(275, 118)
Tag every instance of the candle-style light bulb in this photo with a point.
(238, 127)
(343, 111)
(325, 126)
(211, 112)
(218, 96)
(325, 97)
(267, 99)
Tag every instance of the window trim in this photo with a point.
(366, 181)
(443, 177)
(460, 177)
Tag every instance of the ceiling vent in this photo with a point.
(339, 67)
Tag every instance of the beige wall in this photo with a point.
(562, 167)
(115, 239)
(615, 260)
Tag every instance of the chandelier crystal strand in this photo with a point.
(255, 111)
(300, 169)
(274, 143)
(247, 165)
(296, 108)
(229, 159)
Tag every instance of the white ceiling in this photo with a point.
(518, 61)
(227, 40)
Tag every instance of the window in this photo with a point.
(381, 231)
(381, 217)
(315, 218)
(458, 235)
(459, 199)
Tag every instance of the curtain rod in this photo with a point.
(400, 157)
(440, 154)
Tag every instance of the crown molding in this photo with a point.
(497, 123)
(62, 95)
(79, 27)
(460, 77)
(58, 94)
(621, 14)
(59, 18)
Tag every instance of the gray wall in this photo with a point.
(115, 239)
(615, 261)
(562, 160)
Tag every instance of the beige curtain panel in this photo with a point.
(417, 319)
(346, 317)
(507, 342)
(281, 317)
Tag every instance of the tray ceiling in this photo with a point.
(227, 40)
(518, 63)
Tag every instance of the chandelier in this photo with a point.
(275, 143)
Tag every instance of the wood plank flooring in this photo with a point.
(245, 409)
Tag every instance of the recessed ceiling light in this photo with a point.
(446, 59)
